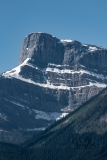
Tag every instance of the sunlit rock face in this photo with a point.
(53, 78)
(43, 49)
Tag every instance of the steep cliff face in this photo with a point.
(54, 77)
(77, 69)
(43, 49)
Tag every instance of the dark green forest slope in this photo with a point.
(82, 135)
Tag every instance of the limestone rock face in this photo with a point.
(53, 78)
(43, 48)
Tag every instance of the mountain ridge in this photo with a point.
(54, 78)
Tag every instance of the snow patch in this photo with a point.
(40, 32)
(82, 66)
(16, 103)
(49, 115)
(92, 48)
(63, 71)
(14, 73)
(66, 40)
(84, 44)
(97, 84)
(57, 65)
(61, 116)
(40, 114)
(51, 86)
(36, 129)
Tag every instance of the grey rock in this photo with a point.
(59, 76)
(43, 48)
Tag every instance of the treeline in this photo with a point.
(87, 146)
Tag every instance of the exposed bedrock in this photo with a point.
(53, 78)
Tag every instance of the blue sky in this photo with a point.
(82, 20)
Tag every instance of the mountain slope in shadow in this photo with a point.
(82, 135)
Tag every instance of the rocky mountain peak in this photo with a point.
(54, 77)
(43, 49)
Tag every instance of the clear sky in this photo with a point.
(82, 20)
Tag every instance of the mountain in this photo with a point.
(80, 135)
(54, 77)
